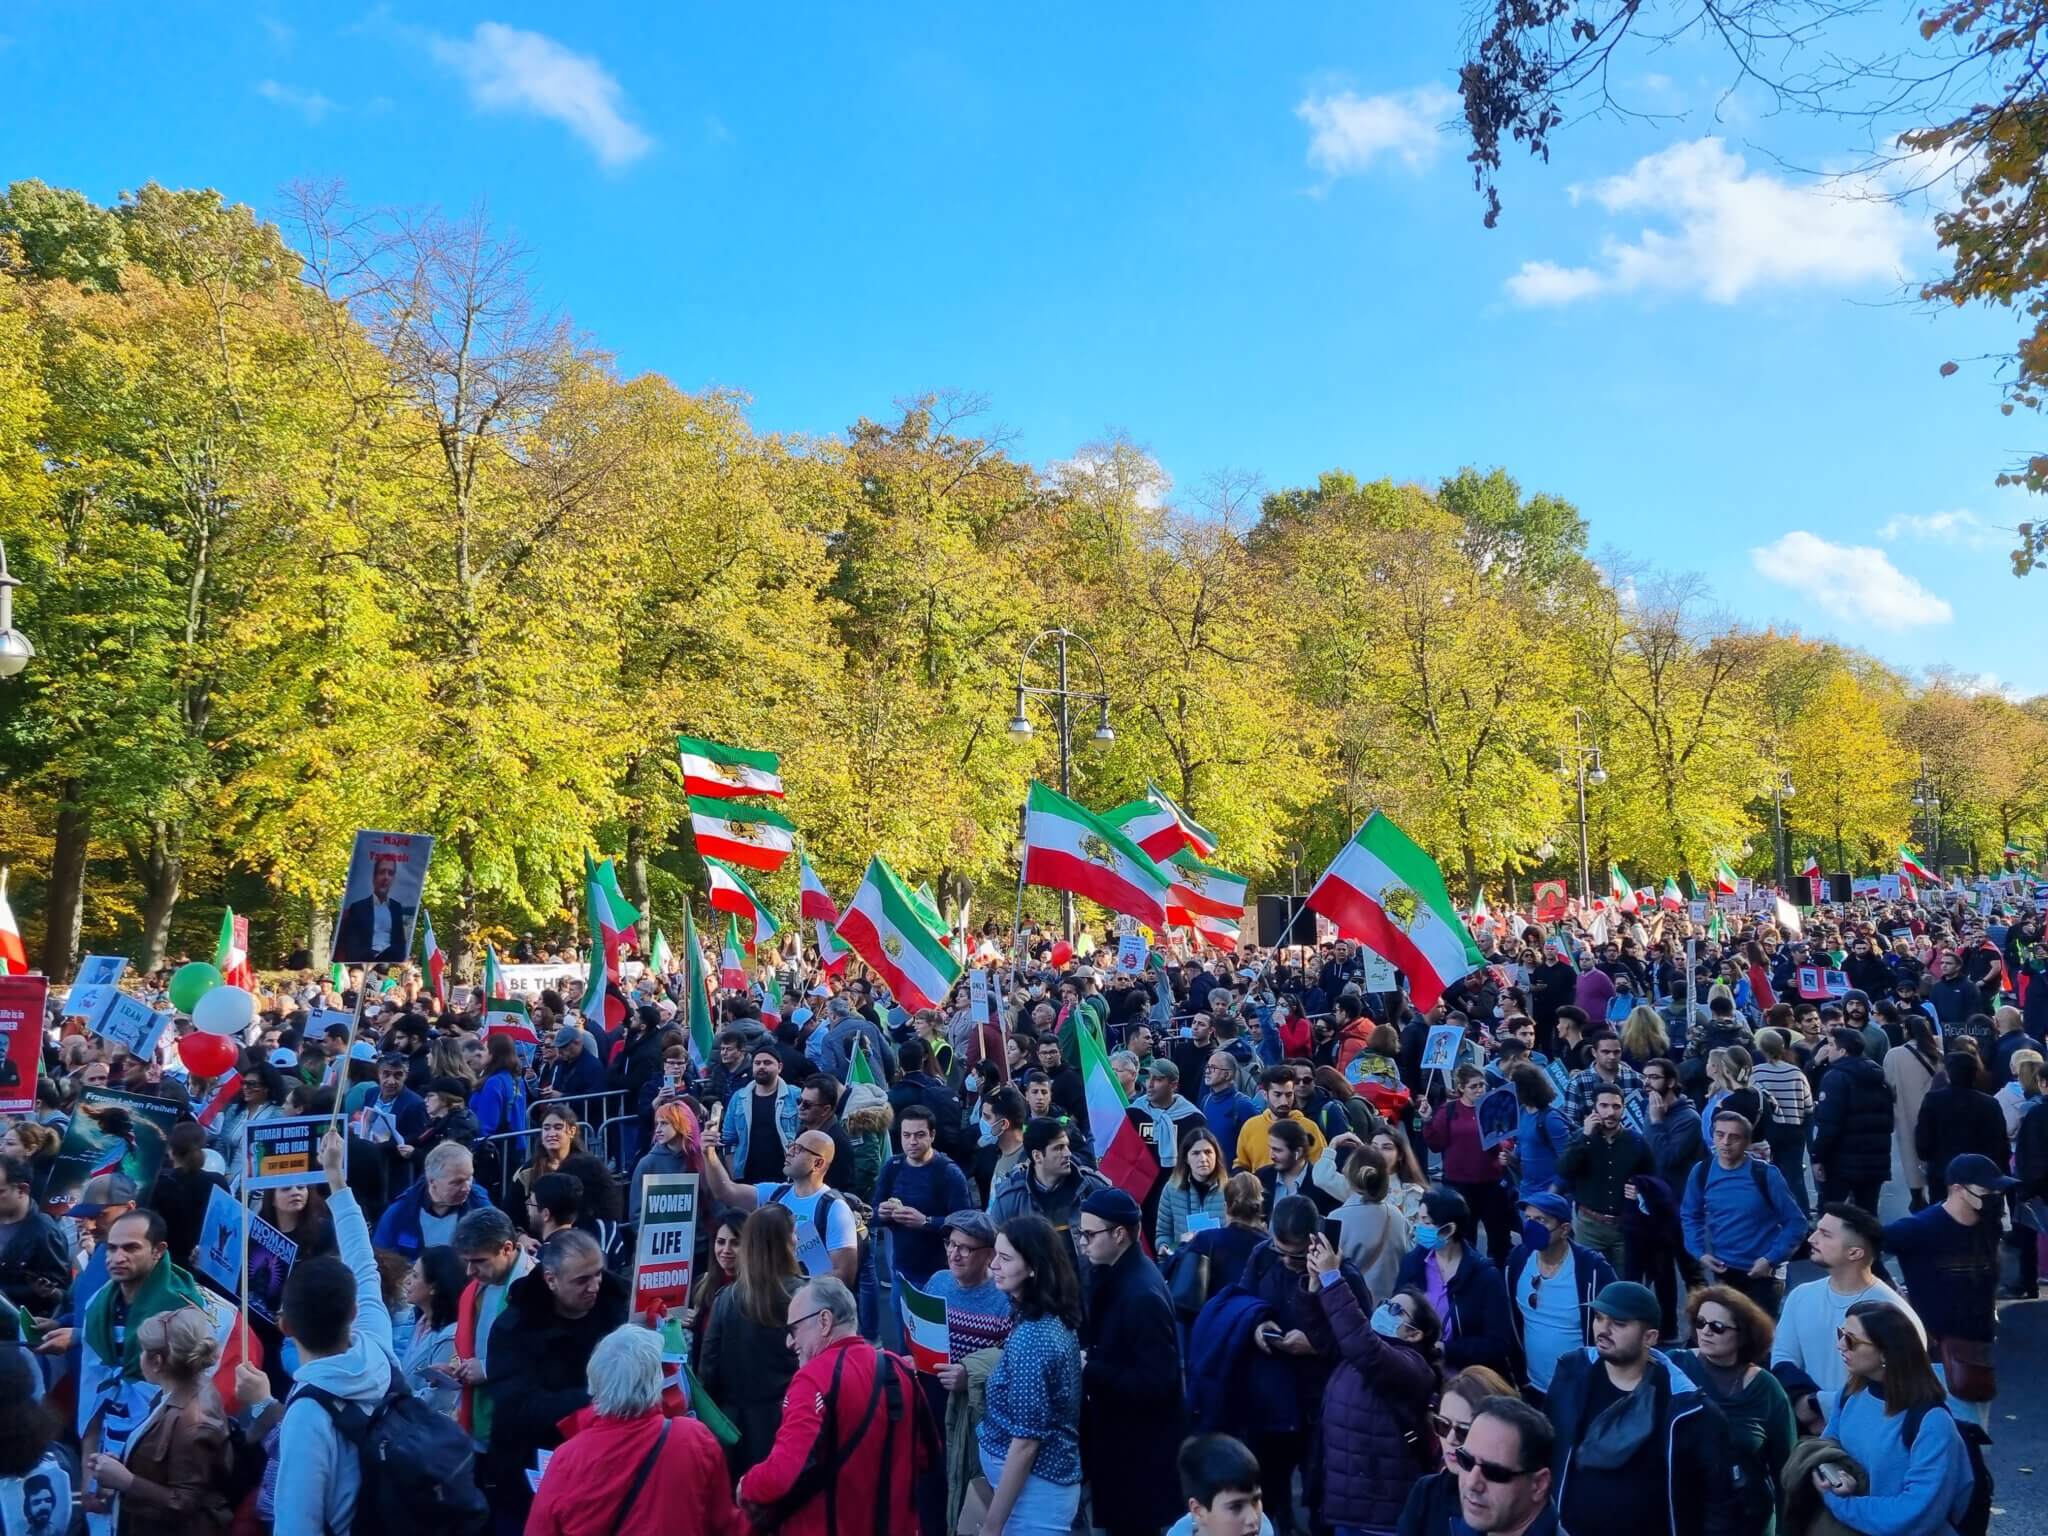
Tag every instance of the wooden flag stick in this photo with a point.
(355, 1026)
(248, 1221)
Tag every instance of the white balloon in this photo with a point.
(225, 1011)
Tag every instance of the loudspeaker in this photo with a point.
(1803, 893)
(1273, 926)
(1839, 888)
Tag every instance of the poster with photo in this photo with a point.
(283, 1154)
(130, 1023)
(98, 976)
(110, 1132)
(22, 1001)
(218, 1258)
(380, 901)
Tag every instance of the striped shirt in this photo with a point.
(1790, 1094)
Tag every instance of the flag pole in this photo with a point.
(355, 1025)
(248, 1221)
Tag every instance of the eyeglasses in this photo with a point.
(1492, 1471)
(789, 1333)
(1851, 1341)
(1089, 1234)
(1715, 1327)
(1451, 1429)
(967, 1248)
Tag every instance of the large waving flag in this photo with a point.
(730, 893)
(612, 922)
(741, 833)
(884, 926)
(1911, 866)
(1619, 891)
(1219, 932)
(1724, 878)
(816, 907)
(1120, 1150)
(1069, 848)
(437, 963)
(1672, 899)
(1197, 890)
(721, 772)
(696, 994)
(231, 950)
(660, 958)
(1385, 892)
(616, 918)
(13, 953)
(1160, 827)
(732, 958)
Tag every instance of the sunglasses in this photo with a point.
(1705, 1325)
(1450, 1429)
(1492, 1471)
(1850, 1341)
(789, 1333)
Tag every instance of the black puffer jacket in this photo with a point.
(1851, 1134)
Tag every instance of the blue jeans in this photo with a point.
(1042, 1508)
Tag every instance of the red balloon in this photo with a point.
(1062, 952)
(208, 1055)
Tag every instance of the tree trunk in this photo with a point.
(162, 868)
(320, 935)
(465, 908)
(64, 905)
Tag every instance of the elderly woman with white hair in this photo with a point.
(627, 1469)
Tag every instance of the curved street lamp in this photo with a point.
(1062, 696)
(15, 651)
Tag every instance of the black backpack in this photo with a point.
(1976, 1519)
(418, 1466)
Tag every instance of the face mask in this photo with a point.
(988, 1133)
(972, 1082)
(1429, 1237)
(1536, 1234)
(1387, 1320)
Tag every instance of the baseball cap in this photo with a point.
(102, 1191)
(971, 1224)
(1163, 1066)
(568, 1034)
(283, 1059)
(362, 1050)
(1976, 1168)
(1554, 1206)
(1627, 1302)
(394, 1059)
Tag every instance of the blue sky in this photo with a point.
(1240, 234)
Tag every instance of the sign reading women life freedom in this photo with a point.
(380, 901)
(667, 1243)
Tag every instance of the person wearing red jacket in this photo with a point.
(626, 1468)
(1472, 1170)
(855, 1433)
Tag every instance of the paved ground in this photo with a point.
(2019, 1431)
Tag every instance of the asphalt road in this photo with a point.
(2019, 1430)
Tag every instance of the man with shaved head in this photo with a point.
(827, 1241)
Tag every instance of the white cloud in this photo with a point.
(1349, 132)
(1113, 469)
(310, 105)
(510, 70)
(1721, 231)
(1854, 582)
(1961, 527)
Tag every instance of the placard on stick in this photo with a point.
(98, 975)
(130, 1023)
(666, 1245)
(380, 901)
(22, 1000)
(283, 1154)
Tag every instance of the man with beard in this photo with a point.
(762, 1119)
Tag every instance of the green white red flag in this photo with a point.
(816, 907)
(720, 772)
(436, 962)
(1069, 848)
(741, 833)
(731, 893)
(1385, 892)
(1120, 1150)
(1198, 889)
(884, 925)
(1724, 878)
(696, 994)
(771, 1003)
(13, 953)
(1909, 865)
(660, 958)
(1619, 892)
(1672, 898)
(231, 950)
(503, 1013)
(1218, 932)
(862, 1068)
(924, 1327)
(1160, 827)
(732, 959)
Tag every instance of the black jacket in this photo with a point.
(1598, 1168)
(1851, 1133)
(538, 1361)
(1132, 1410)
(1478, 1331)
(923, 1088)
(1698, 1498)
(2030, 1152)
(35, 1270)
(1954, 1121)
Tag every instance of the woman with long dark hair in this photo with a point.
(715, 1277)
(747, 1361)
(500, 1101)
(300, 1213)
(1029, 1435)
(433, 1289)
(1919, 1488)
(1191, 1200)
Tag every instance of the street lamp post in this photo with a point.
(1781, 790)
(1295, 854)
(1928, 798)
(15, 651)
(1581, 762)
(1063, 697)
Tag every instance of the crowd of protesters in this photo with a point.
(1538, 1285)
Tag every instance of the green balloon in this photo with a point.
(189, 983)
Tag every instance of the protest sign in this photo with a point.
(529, 981)
(1499, 1113)
(1440, 1051)
(666, 1245)
(271, 1257)
(130, 1023)
(282, 1154)
(1867, 887)
(2041, 898)
(110, 1132)
(977, 995)
(22, 1000)
(319, 1019)
(218, 1258)
(1131, 952)
(1888, 888)
(381, 899)
(1697, 911)
(1836, 982)
(97, 976)
(1126, 925)
(1380, 974)
(1809, 981)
